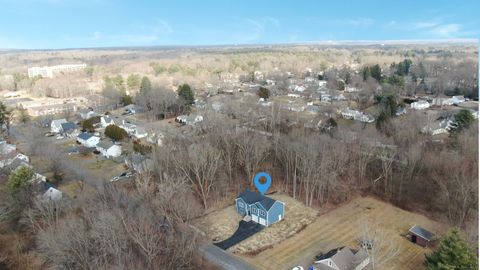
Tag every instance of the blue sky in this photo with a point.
(102, 23)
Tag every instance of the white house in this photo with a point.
(455, 100)
(105, 121)
(52, 194)
(438, 127)
(343, 259)
(128, 127)
(350, 89)
(87, 139)
(140, 133)
(420, 105)
(270, 82)
(56, 125)
(109, 149)
(86, 113)
(299, 88)
(349, 114)
(154, 138)
(181, 119)
(322, 83)
(193, 119)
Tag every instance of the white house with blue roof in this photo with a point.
(87, 139)
(262, 209)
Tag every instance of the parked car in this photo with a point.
(49, 134)
(59, 137)
(297, 268)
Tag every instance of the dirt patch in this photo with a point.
(221, 224)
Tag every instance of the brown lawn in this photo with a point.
(340, 227)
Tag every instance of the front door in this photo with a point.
(414, 238)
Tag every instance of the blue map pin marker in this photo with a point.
(262, 187)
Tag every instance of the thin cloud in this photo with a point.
(423, 25)
(447, 30)
(144, 35)
(359, 22)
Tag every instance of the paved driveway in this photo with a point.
(245, 230)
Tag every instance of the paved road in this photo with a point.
(71, 168)
(222, 259)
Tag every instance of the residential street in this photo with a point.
(222, 259)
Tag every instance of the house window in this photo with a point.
(262, 213)
(240, 204)
(254, 210)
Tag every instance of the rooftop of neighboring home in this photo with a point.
(84, 136)
(105, 144)
(68, 126)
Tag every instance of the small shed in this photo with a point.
(420, 236)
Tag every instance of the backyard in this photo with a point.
(340, 227)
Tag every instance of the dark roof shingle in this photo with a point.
(252, 197)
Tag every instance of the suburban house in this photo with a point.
(181, 119)
(69, 129)
(86, 113)
(128, 127)
(10, 158)
(420, 236)
(109, 149)
(350, 89)
(262, 209)
(6, 148)
(193, 119)
(139, 133)
(139, 163)
(300, 88)
(154, 138)
(349, 114)
(343, 258)
(420, 105)
(87, 139)
(438, 127)
(56, 125)
(133, 109)
(455, 100)
(356, 115)
(45, 123)
(106, 121)
(52, 194)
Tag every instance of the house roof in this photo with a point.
(343, 257)
(105, 144)
(107, 119)
(252, 197)
(419, 231)
(58, 121)
(68, 126)
(84, 136)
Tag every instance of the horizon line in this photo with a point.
(296, 43)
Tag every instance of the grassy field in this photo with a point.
(340, 227)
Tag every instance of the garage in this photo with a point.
(263, 222)
(255, 218)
